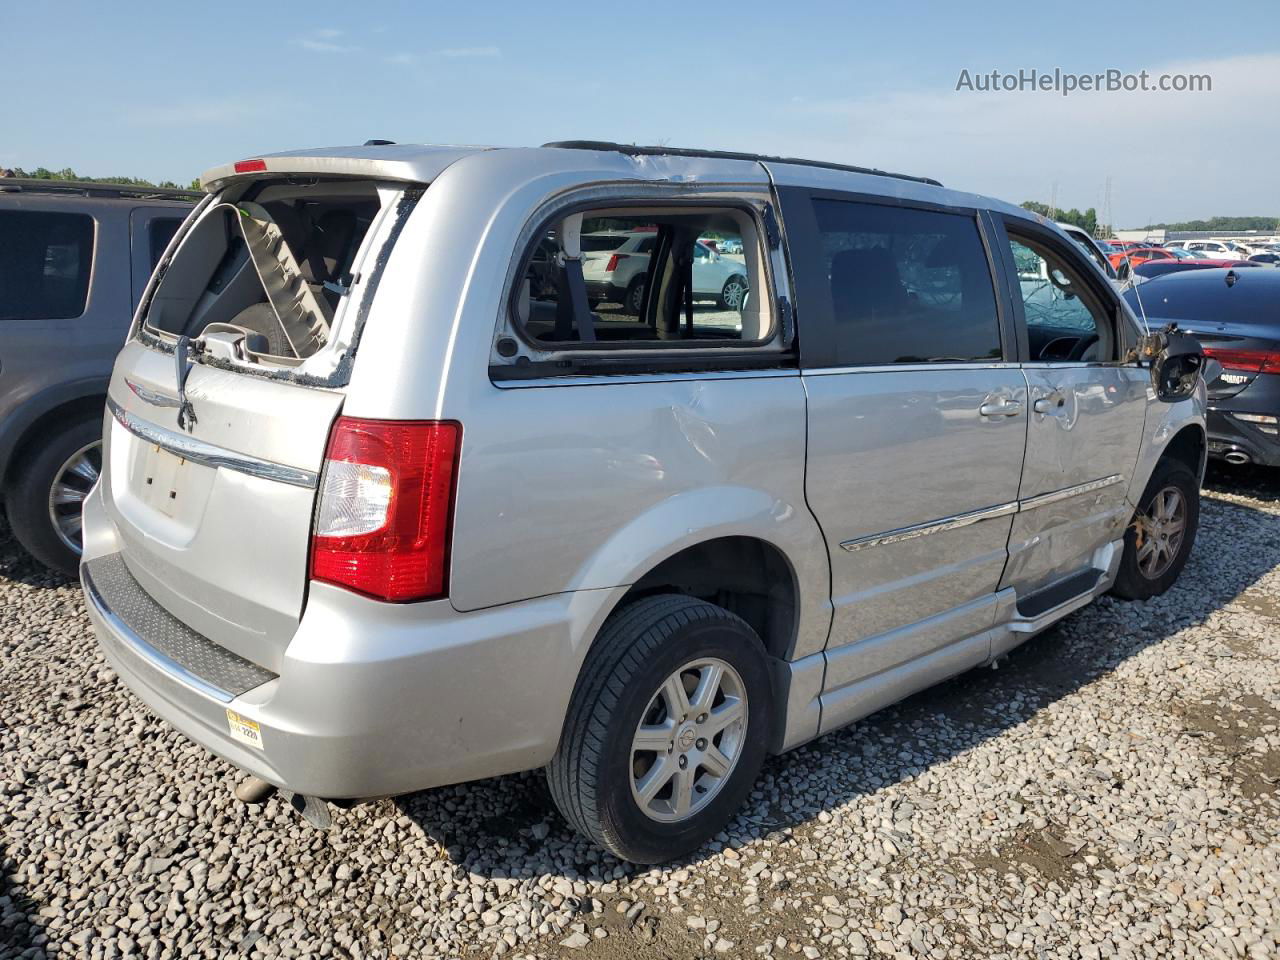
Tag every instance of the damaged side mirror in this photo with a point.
(1177, 363)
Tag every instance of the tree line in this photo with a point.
(1266, 224)
(66, 173)
(1088, 220)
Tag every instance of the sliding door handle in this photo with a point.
(1000, 407)
(1049, 404)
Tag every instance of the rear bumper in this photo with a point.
(604, 290)
(1228, 436)
(373, 699)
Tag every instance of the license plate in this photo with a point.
(162, 478)
(244, 730)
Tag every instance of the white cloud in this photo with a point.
(324, 41)
(460, 52)
(446, 53)
(1171, 156)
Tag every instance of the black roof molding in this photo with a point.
(115, 190)
(637, 151)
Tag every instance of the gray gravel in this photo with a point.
(1112, 790)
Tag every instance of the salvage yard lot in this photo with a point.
(1113, 789)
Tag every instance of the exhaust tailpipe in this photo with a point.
(1237, 458)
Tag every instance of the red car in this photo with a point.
(1128, 244)
(1137, 254)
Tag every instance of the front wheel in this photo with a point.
(666, 731)
(733, 296)
(1162, 533)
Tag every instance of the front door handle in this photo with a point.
(1050, 404)
(1000, 407)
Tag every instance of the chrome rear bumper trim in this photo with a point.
(198, 451)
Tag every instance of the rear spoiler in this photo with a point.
(403, 162)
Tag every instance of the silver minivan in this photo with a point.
(390, 503)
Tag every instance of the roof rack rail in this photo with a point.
(80, 188)
(638, 151)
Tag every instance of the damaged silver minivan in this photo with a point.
(390, 501)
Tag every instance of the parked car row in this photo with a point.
(917, 440)
(1235, 314)
(615, 267)
(74, 260)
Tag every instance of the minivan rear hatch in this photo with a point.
(222, 400)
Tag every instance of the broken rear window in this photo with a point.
(269, 260)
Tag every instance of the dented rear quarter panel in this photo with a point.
(567, 486)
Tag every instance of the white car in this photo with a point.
(1211, 249)
(615, 266)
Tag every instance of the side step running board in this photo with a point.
(1056, 600)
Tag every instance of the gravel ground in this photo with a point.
(1112, 790)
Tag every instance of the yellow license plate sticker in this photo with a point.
(244, 730)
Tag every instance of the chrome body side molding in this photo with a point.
(197, 451)
(1066, 493)
(932, 526)
(976, 516)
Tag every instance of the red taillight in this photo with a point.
(385, 508)
(1249, 361)
(612, 265)
(251, 166)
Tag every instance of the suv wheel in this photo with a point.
(634, 299)
(734, 294)
(1163, 531)
(666, 730)
(48, 490)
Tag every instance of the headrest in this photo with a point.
(571, 237)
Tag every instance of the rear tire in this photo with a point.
(1159, 540)
(70, 457)
(633, 301)
(645, 801)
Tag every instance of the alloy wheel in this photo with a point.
(71, 484)
(688, 740)
(734, 294)
(635, 298)
(1160, 532)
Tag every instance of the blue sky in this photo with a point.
(145, 90)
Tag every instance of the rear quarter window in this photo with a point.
(656, 287)
(162, 230)
(45, 262)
